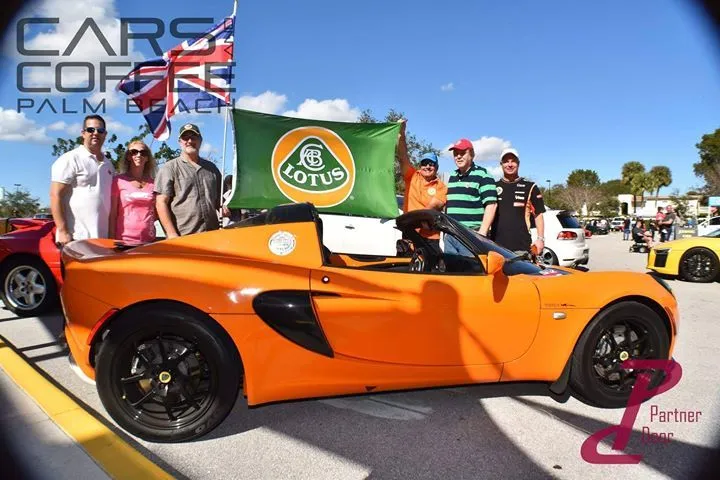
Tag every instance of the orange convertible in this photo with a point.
(172, 331)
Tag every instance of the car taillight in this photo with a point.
(567, 236)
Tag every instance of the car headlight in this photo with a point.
(662, 282)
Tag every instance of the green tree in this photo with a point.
(661, 177)
(633, 174)
(613, 188)
(415, 146)
(583, 178)
(708, 168)
(19, 204)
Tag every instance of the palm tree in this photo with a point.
(662, 178)
(633, 174)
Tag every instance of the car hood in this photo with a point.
(685, 243)
(575, 289)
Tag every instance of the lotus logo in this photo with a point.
(313, 164)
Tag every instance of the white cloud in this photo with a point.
(116, 127)
(58, 36)
(487, 148)
(57, 126)
(16, 127)
(266, 102)
(496, 171)
(448, 87)
(338, 110)
(207, 148)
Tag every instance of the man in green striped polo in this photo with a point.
(471, 197)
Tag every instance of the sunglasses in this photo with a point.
(427, 163)
(100, 130)
(134, 151)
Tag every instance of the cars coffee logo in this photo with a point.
(313, 164)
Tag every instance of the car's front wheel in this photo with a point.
(699, 265)
(624, 331)
(28, 286)
(166, 374)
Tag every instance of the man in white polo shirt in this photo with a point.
(80, 187)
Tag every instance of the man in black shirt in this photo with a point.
(518, 200)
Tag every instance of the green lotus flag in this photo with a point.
(339, 167)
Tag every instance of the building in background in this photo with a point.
(646, 207)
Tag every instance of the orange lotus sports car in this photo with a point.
(172, 331)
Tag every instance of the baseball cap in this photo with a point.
(432, 156)
(509, 151)
(462, 144)
(189, 127)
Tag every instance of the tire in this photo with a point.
(28, 286)
(175, 358)
(548, 257)
(642, 250)
(598, 379)
(699, 265)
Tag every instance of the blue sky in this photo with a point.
(570, 84)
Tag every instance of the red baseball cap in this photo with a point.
(462, 144)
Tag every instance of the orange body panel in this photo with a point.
(426, 319)
(388, 330)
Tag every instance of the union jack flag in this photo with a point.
(194, 75)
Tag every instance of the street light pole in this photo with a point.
(548, 182)
(17, 187)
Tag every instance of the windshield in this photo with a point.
(713, 234)
(568, 221)
(483, 244)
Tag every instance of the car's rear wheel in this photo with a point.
(699, 265)
(166, 374)
(28, 286)
(548, 257)
(624, 331)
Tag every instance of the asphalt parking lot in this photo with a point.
(488, 431)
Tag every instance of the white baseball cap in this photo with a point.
(509, 151)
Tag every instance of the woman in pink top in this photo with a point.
(132, 211)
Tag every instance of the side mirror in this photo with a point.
(495, 263)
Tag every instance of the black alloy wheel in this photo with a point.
(167, 374)
(699, 265)
(624, 331)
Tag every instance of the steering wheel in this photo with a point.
(417, 263)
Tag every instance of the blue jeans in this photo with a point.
(626, 234)
(454, 247)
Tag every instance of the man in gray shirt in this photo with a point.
(188, 189)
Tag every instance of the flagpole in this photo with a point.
(227, 114)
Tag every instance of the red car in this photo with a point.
(30, 276)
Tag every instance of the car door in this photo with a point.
(425, 319)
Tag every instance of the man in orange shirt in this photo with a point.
(423, 188)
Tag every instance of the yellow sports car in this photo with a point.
(695, 259)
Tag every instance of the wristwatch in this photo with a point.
(542, 239)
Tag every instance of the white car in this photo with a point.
(617, 223)
(564, 240)
(708, 226)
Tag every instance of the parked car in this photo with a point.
(173, 331)
(30, 276)
(616, 224)
(30, 271)
(597, 228)
(708, 225)
(564, 239)
(695, 259)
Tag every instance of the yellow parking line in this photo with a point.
(110, 452)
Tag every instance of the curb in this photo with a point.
(109, 451)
